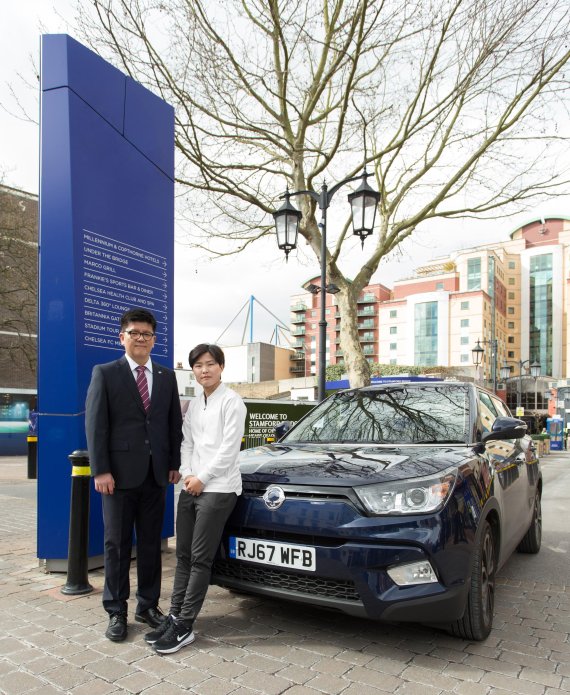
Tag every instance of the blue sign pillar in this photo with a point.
(106, 245)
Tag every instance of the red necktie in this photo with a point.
(142, 385)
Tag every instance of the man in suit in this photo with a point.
(133, 424)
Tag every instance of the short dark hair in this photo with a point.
(214, 350)
(137, 315)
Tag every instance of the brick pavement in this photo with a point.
(50, 643)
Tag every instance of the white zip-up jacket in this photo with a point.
(213, 429)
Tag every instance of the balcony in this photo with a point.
(299, 331)
(298, 318)
(297, 369)
(367, 338)
(297, 356)
(367, 311)
(367, 299)
(299, 307)
(368, 350)
(299, 344)
(367, 323)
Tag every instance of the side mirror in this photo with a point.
(506, 428)
(282, 429)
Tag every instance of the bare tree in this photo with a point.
(18, 287)
(455, 106)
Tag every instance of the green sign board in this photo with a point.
(264, 416)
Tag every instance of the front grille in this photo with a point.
(284, 580)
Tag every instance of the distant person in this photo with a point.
(213, 429)
(133, 424)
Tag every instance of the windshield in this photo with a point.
(401, 415)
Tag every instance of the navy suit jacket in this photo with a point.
(122, 438)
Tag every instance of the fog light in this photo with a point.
(414, 573)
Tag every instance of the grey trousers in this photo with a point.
(200, 522)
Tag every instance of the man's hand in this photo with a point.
(104, 483)
(173, 477)
(193, 485)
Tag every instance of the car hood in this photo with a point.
(342, 465)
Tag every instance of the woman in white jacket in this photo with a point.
(213, 429)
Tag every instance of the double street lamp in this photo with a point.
(363, 202)
(535, 368)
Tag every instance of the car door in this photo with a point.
(507, 459)
(528, 469)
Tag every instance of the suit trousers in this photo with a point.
(200, 523)
(140, 509)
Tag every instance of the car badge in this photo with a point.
(273, 497)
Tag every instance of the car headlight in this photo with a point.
(411, 496)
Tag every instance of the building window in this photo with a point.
(425, 331)
(464, 340)
(510, 295)
(464, 358)
(393, 361)
(464, 323)
(439, 285)
(510, 353)
(393, 330)
(510, 310)
(540, 343)
(473, 273)
(512, 265)
(393, 346)
(511, 325)
(464, 305)
(511, 281)
(511, 339)
(393, 313)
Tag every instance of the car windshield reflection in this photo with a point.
(389, 416)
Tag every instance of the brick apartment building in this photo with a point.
(515, 292)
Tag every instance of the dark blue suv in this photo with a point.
(397, 502)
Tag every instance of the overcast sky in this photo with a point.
(208, 294)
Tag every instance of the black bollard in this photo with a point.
(77, 571)
(32, 457)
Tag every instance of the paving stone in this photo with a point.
(17, 682)
(158, 665)
(493, 665)
(328, 684)
(44, 663)
(137, 682)
(187, 677)
(212, 686)
(376, 679)
(539, 663)
(260, 663)
(166, 689)
(540, 677)
(95, 687)
(109, 669)
(519, 685)
(428, 677)
(296, 674)
(68, 676)
(470, 688)
(264, 682)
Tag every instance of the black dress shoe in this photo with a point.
(152, 616)
(117, 629)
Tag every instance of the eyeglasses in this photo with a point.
(135, 335)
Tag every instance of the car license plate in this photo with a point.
(300, 557)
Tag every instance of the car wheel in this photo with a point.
(533, 537)
(477, 620)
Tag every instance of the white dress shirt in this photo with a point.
(213, 428)
(148, 372)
